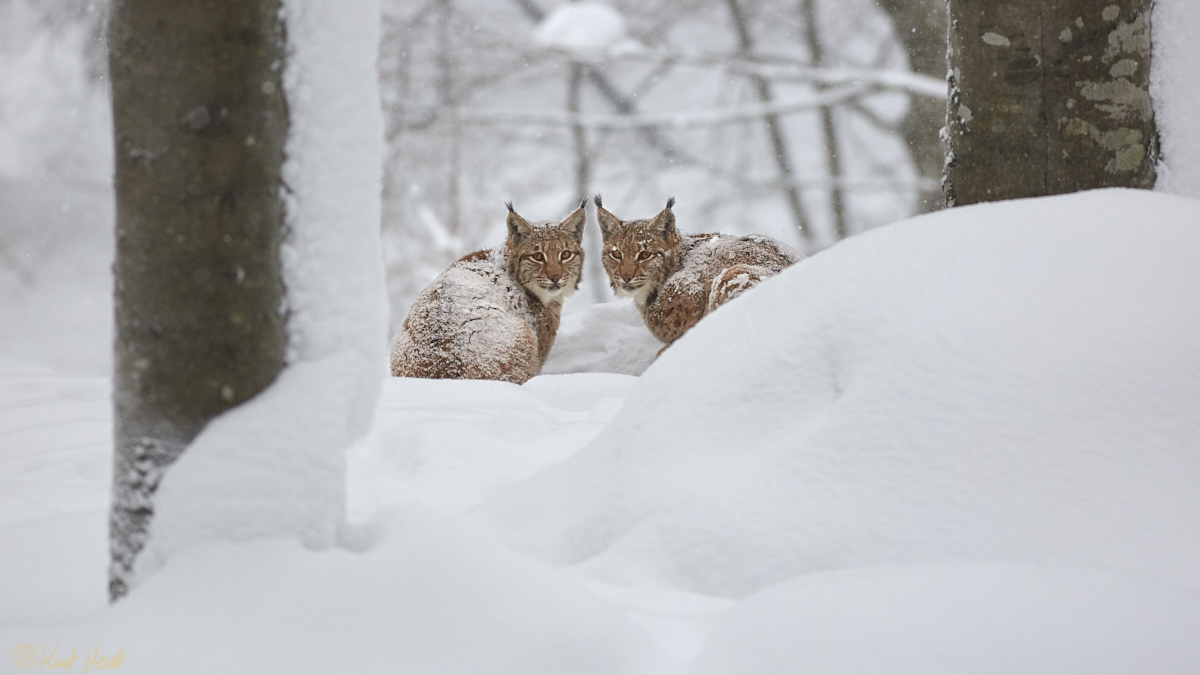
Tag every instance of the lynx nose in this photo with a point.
(554, 278)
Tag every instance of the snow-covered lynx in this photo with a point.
(676, 279)
(493, 314)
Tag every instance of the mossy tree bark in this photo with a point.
(200, 123)
(1048, 97)
(921, 27)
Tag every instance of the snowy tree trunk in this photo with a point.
(200, 124)
(921, 26)
(1048, 98)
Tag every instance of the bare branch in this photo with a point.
(679, 120)
(779, 71)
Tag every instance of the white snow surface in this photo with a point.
(963, 443)
(1176, 94)
(1015, 382)
(958, 618)
(608, 337)
(281, 456)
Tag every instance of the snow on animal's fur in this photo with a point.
(676, 279)
(493, 314)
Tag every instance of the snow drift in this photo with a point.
(1014, 381)
(962, 618)
(964, 443)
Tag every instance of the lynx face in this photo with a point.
(546, 257)
(639, 255)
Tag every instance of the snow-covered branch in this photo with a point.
(784, 70)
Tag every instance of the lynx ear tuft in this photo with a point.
(598, 201)
(517, 226)
(583, 204)
(608, 222)
(575, 222)
(664, 222)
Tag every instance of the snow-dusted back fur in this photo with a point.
(493, 314)
(676, 279)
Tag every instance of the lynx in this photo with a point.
(493, 314)
(676, 279)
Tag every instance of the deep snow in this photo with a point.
(967, 451)
(1010, 382)
(971, 447)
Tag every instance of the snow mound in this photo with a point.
(607, 337)
(1014, 381)
(418, 595)
(449, 444)
(55, 481)
(585, 30)
(952, 619)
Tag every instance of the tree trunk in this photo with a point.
(583, 181)
(921, 26)
(448, 97)
(1048, 98)
(833, 158)
(200, 123)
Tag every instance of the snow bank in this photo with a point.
(965, 443)
(1014, 382)
(953, 619)
(55, 480)
(428, 597)
(275, 466)
(1176, 93)
(450, 444)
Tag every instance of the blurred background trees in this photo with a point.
(801, 119)
(807, 120)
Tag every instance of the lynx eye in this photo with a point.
(566, 255)
(644, 256)
(538, 257)
(615, 253)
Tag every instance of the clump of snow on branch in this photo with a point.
(588, 31)
(275, 467)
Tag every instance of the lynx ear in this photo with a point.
(608, 222)
(664, 222)
(517, 226)
(575, 222)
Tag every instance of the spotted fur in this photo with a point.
(494, 314)
(676, 279)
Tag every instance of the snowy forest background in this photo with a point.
(967, 441)
(478, 97)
